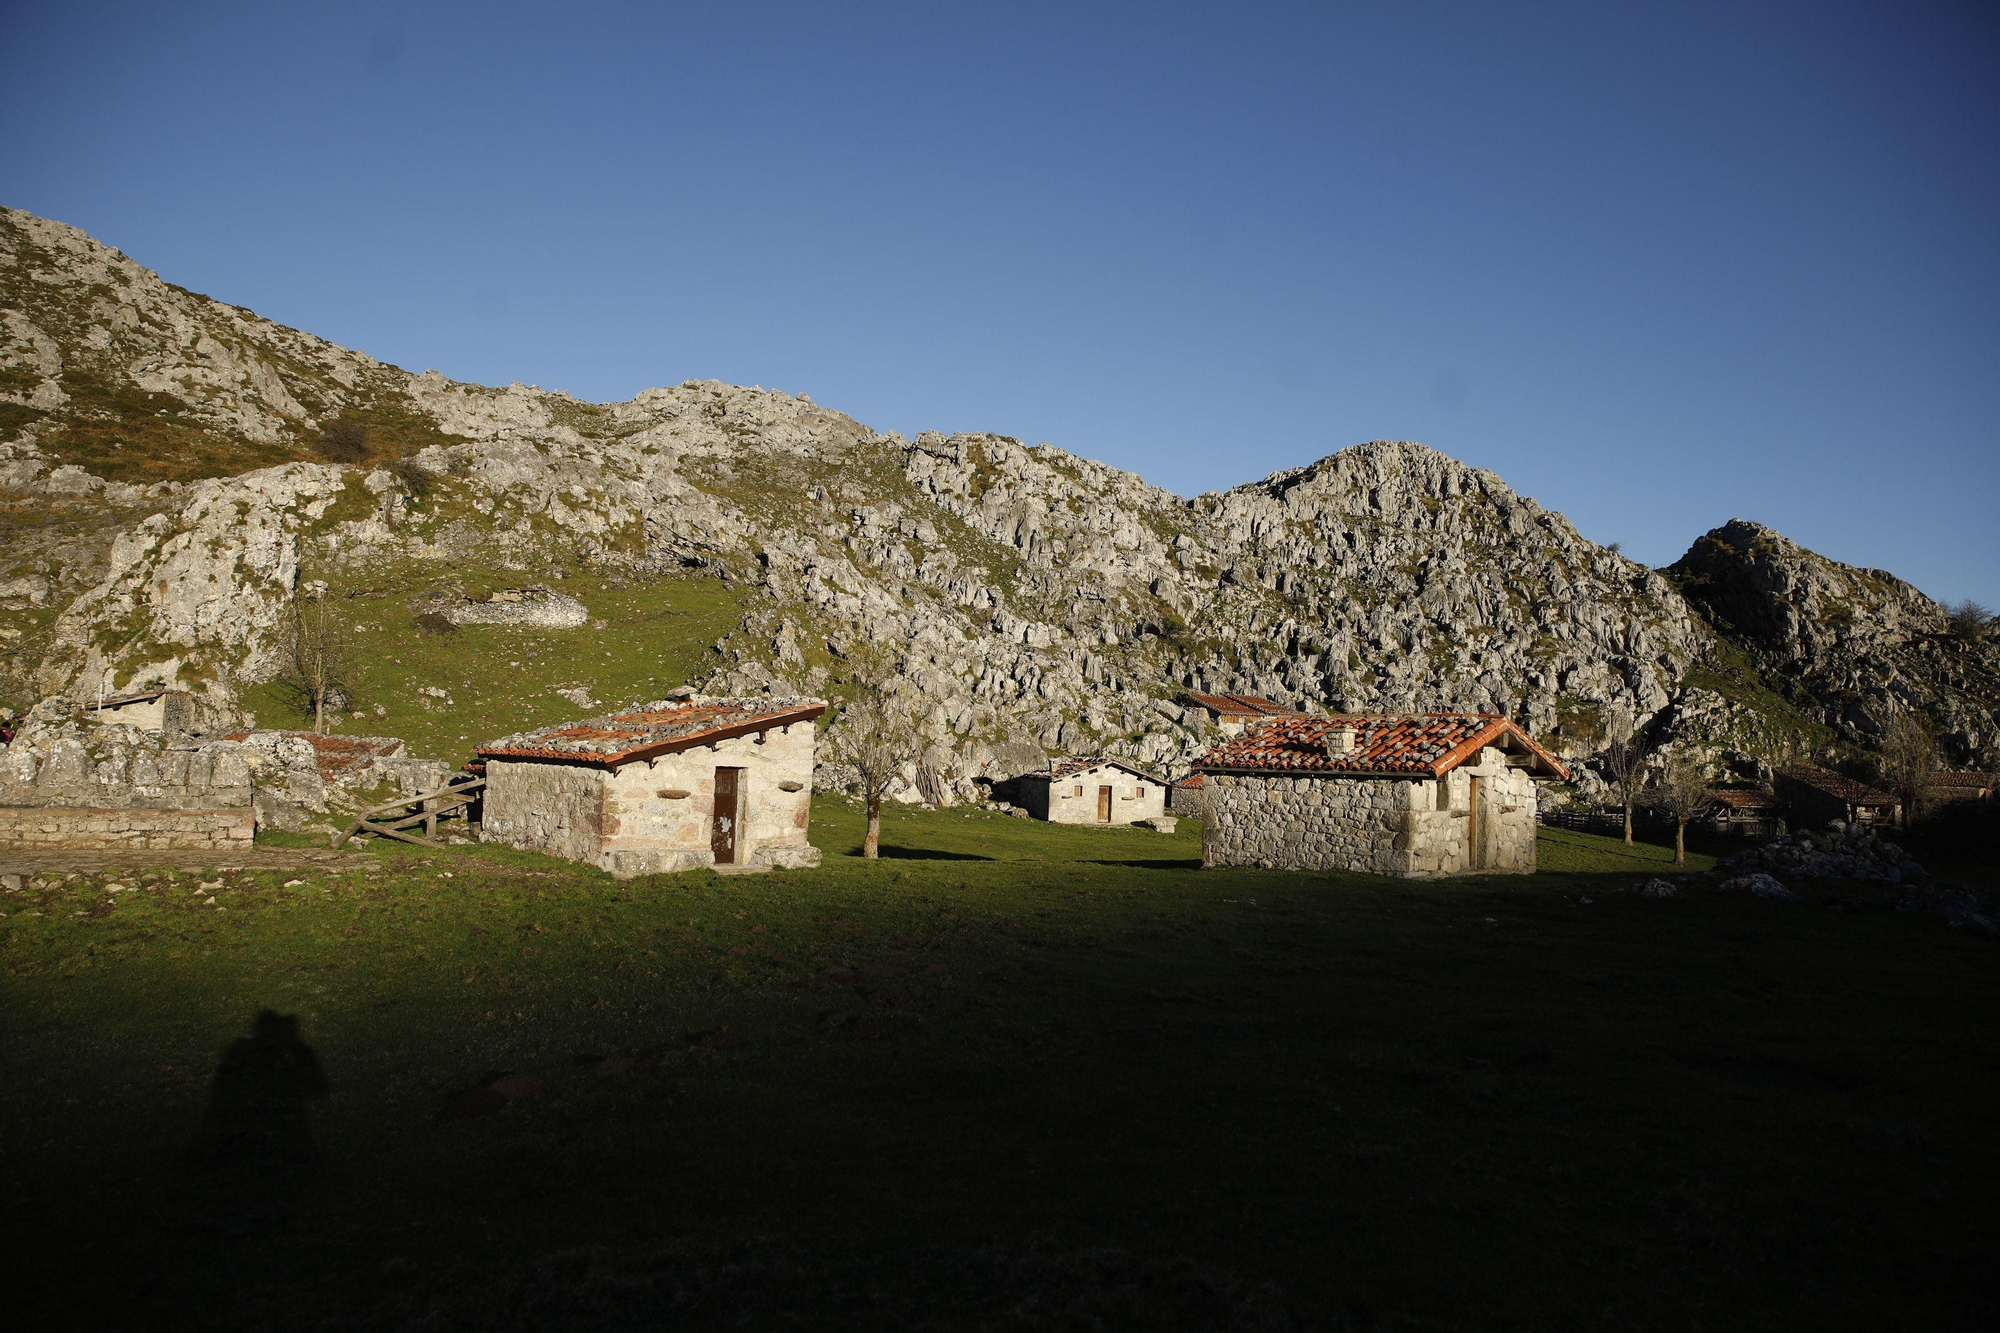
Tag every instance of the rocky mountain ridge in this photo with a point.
(163, 456)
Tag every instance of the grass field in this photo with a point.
(503, 678)
(1009, 1076)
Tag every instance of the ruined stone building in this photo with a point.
(1093, 791)
(1414, 795)
(159, 709)
(661, 787)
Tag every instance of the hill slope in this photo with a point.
(1044, 602)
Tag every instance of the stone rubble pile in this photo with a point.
(1959, 906)
(1841, 852)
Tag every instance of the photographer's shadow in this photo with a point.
(255, 1144)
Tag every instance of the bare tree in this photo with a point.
(1968, 619)
(877, 735)
(1681, 793)
(1625, 760)
(319, 661)
(1908, 761)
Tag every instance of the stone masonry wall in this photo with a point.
(655, 816)
(538, 807)
(73, 828)
(647, 833)
(1287, 823)
(1132, 798)
(1381, 826)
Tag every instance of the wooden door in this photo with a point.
(1475, 828)
(722, 835)
(1104, 805)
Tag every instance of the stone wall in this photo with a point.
(1132, 798)
(76, 828)
(544, 807)
(655, 816)
(1384, 826)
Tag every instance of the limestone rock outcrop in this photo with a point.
(1039, 603)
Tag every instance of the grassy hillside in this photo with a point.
(658, 633)
(1011, 1076)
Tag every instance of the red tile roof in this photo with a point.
(645, 731)
(1064, 768)
(1964, 781)
(1738, 798)
(1839, 787)
(1410, 744)
(1192, 782)
(1242, 705)
(336, 754)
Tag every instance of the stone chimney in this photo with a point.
(1340, 741)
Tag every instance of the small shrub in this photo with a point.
(434, 622)
(343, 440)
(416, 480)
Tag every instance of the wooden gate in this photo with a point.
(1104, 805)
(722, 834)
(396, 819)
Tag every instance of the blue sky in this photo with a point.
(1657, 266)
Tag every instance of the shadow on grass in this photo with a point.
(1180, 863)
(889, 853)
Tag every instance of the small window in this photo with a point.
(1078, 791)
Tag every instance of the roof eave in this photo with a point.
(640, 753)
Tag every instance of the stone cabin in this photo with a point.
(149, 710)
(1185, 798)
(1414, 795)
(1949, 787)
(659, 787)
(1818, 797)
(1094, 790)
(1232, 712)
(1746, 812)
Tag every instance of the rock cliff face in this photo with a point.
(1851, 647)
(167, 497)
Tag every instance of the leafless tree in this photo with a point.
(875, 734)
(1907, 762)
(1625, 762)
(1681, 793)
(319, 659)
(1968, 619)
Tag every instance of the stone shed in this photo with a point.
(1232, 712)
(1416, 795)
(149, 710)
(1818, 797)
(660, 787)
(1093, 791)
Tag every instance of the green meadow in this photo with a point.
(1010, 1076)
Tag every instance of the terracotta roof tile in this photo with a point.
(1241, 705)
(646, 730)
(1964, 781)
(1739, 798)
(335, 754)
(1409, 743)
(1836, 785)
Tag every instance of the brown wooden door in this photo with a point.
(722, 835)
(1475, 828)
(1104, 805)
